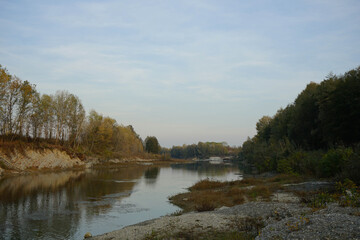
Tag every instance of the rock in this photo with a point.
(272, 220)
(285, 197)
(349, 193)
(222, 208)
(87, 235)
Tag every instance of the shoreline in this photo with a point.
(253, 220)
(283, 216)
(55, 160)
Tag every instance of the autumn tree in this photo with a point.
(27, 95)
(25, 112)
(4, 83)
(47, 114)
(75, 118)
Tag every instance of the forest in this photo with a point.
(203, 150)
(317, 135)
(59, 119)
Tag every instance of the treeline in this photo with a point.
(60, 119)
(318, 134)
(202, 150)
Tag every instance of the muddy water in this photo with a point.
(66, 205)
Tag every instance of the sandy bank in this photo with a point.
(35, 159)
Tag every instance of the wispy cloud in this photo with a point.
(176, 67)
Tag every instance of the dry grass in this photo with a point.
(259, 191)
(207, 195)
(207, 184)
(249, 181)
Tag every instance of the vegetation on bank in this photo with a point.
(207, 195)
(31, 119)
(318, 134)
(202, 150)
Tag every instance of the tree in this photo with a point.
(152, 145)
(27, 97)
(47, 112)
(36, 117)
(12, 92)
(340, 110)
(263, 128)
(75, 118)
(4, 83)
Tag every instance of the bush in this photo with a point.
(284, 166)
(335, 161)
(352, 169)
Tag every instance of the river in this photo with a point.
(66, 205)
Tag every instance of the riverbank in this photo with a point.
(31, 160)
(254, 220)
(293, 210)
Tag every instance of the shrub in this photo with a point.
(284, 166)
(334, 161)
(207, 184)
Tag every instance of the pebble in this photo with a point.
(281, 221)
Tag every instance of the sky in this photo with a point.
(184, 71)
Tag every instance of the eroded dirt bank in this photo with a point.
(38, 160)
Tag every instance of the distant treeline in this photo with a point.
(60, 119)
(202, 150)
(318, 134)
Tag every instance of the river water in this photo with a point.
(66, 205)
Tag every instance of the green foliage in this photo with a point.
(321, 200)
(346, 193)
(202, 150)
(334, 161)
(318, 134)
(284, 166)
(152, 145)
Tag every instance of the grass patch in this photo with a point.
(207, 195)
(207, 184)
(259, 191)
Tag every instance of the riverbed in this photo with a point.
(66, 205)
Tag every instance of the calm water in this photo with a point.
(66, 205)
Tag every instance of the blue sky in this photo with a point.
(184, 71)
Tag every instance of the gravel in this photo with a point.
(281, 221)
(171, 224)
(315, 226)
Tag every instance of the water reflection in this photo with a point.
(57, 201)
(151, 175)
(65, 205)
(205, 168)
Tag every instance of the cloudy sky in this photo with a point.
(186, 70)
